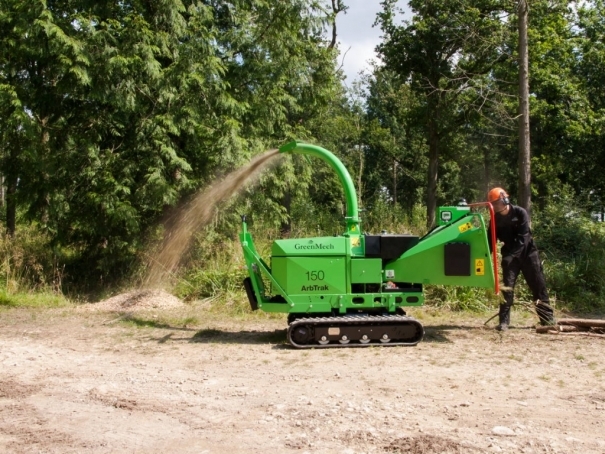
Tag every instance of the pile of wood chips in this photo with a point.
(135, 300)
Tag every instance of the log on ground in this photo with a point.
(560, 329)
(583, 322)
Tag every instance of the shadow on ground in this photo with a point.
(140, 322)
(444, 333)
(432, 334)
(439, 333)
(277, 336)
(217, 336)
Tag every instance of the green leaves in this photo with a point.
(116, 110)
(443, 54)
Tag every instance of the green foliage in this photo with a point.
(460, 298)
(443, 55)
(215, 273)
(114, 112)
(28, 263)
(40, 299)
(561, 113)
(382, 215)
(573, 245)
(396, 151)
(590, 32)
(31, 272)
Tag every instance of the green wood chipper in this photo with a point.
(352, 289)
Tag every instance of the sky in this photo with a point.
(356, 34)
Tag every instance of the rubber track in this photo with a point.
(353, 320)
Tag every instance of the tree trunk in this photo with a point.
(11, 204)
(524, 139)
(2, 193)
(360, 177)
(337, 7)
(486, 174)
(394, 183)
(286, 225)
(431, 197)
(10, 180)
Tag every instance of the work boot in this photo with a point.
(503, 317)
(545, 313)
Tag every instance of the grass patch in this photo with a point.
(189, 321)
(38, 300)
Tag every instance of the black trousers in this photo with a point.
(531, 267)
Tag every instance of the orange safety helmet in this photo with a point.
(497, 194)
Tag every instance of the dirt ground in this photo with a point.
(173, 378)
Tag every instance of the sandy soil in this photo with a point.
(176, 379)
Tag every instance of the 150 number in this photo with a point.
(315, 275)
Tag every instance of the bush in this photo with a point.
(30, 273)
(383, 216)
(573, 245)
(215, 272)
(460, 298)
(29, 262)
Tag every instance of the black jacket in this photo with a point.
(513, 230)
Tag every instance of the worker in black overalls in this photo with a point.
(519, 254)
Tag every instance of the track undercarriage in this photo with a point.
(354, 331)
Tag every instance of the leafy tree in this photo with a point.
(441, 51)
(396, 148)
(590, 38)
(115, 111)
(280, 68)
(41, 61)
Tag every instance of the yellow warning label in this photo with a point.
(355, 241)
(464, 227)
(479, 267)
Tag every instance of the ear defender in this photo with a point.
(504, 198)
(498, 194)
